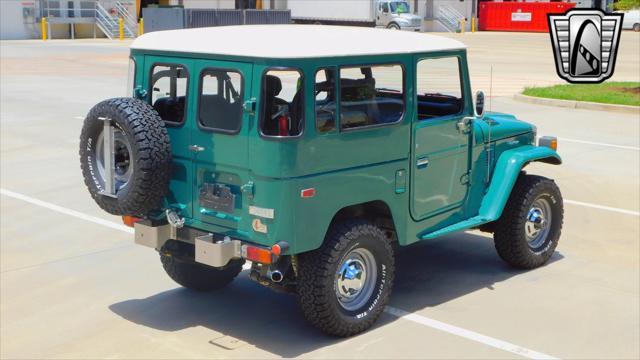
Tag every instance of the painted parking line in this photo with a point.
(467, 334)
(626, 147)
(63, 210)
(602, 207)
(77, 214)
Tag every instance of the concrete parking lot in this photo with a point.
(73, 284)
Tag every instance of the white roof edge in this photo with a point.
(293, 41)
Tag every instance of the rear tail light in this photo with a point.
(264, 255)
(130, 220)
(257, 254)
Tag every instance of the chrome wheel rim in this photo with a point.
(538, 223)
(122, 158)
(355, 279)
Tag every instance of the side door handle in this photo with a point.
(196, 148)
(422, 162)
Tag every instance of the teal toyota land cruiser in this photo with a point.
(313, 152)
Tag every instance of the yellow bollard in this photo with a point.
(473, 24)
(43, 24)
(121, 27)
(141, 27)
(462, 23)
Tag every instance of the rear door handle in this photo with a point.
(196, 148)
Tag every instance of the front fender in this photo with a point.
(506, 172)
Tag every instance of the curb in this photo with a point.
(573, 104)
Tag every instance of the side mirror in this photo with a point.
(479, 106)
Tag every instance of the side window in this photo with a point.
(385, 7)
(220, 102)
(169, 92)
(325, 94)
(282, 103)
(371, 95)
(439, 88)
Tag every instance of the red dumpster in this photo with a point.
(518, 16)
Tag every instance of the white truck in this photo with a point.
(381, 13)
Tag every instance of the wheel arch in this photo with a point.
(505, 173)
(378, 212)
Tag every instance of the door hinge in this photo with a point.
(464, 125)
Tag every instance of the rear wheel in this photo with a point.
(199, 277)
(636, 27)
(527, 233)
(344, 286)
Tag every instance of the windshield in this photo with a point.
(399, 7)
(131, 77)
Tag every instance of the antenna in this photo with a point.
(490, 86)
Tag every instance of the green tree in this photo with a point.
(626, 4)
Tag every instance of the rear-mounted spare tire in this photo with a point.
(141, 160)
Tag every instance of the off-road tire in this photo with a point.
(151, 156)
(200, 277)
(317, 275)
(509, 236)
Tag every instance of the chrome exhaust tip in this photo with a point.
(276, 276)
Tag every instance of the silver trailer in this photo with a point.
(391, 14)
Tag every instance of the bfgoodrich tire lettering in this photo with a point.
(510, 235)
(317, 279)
(142, 129)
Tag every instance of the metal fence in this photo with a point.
(195, 18)
(267, 16)
(165, 19)
(156, 19)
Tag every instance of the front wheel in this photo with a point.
(344, 286)
(527, 233)
(636, 27)
(393, 26)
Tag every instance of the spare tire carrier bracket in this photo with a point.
(109, 158)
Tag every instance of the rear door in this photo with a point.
(219, 142)
(169, 81)
(440, 176)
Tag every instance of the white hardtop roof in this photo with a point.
(293, 41)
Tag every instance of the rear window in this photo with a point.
(371, 95)
(220, 106)
(169, 85)
(282, 104)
